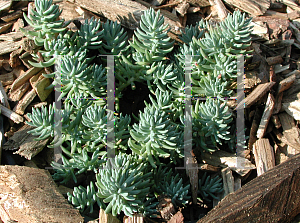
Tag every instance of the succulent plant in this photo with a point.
(123, 185)
(83, 198)
(151, 41)
(127, 183)
(211, 122)
(154, 135)
(171, 185)
(209, 186)
(44, 21)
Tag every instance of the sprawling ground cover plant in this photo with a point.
(130, 182)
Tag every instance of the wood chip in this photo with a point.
(7, 79)
(251, 79)
(11, 115)
(5, 27)
(274, 60)
(182, 8)
(291, 133)
(286, 83)
(25, 143)
(293, 109)
(18, 93)
(255, 95)
(107, 218)
(30, 195)
(8, 47)
(278, 103)
(166, 208)
(24, 102)
(264, 156)
(5, 5)
(252, 7)
(276, 121)
(177, 218)
(254, 127)
(127, 12)
(3, 97)
(12, 16)
(262, 199)
(228, 181)
(39, 83)
(266, 116)
(14, 59)
(208, 167)
(17, 25)
(276, 14)
(221, 158)
(139, 218)
(25, 77)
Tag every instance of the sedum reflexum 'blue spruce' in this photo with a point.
(122, 185)
(209, 187)
(44, 21)
(154, 135)
(128, 183)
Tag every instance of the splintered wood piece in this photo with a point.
(293, 109)
(270, 197)
(166, 208)
(18, 93)
(255, 95)
(107, 218)
(222, 11)
(253, 7)
(177, 218)
(18, 71)
(138, 218)
(278, 103)
(221, 158)
(5, 27)
(228, 181)
(3, 97)
(26, 76)
(39, 83)
(201, 3)
(8, 47)
(129, 14)
(12, 36)
(30, 195)
(14, 59)
(5, 6)
(264, 156)
(24, 102)
(276, 121)
(17, 25)
(260, 29)
(290, 131)
(11, 115)
(275, 14)
(7, 79)
(286, 83)
(12, 16)
(295, 88)
(266, 116)
(182, 8)
(274, 60)
(208, 167)
(291, 4)
(25, 143)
